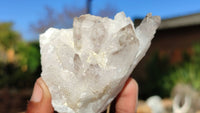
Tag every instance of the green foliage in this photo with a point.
(28, 55)
(23, 66)
(188, 72)
(163, 76)
(157, 68)
(8, 37)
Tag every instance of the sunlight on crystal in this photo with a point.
(87, 66)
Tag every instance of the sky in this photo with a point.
(25, 12)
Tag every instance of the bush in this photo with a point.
(163, 75)
(157, 68)
(188, 72)
(24, 70)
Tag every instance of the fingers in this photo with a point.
(127, 99)
(40, 101)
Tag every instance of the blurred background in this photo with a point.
(171, 67)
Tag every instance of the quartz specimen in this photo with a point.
(87, 66)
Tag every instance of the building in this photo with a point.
(174, 36)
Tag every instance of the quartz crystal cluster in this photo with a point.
(87, 66)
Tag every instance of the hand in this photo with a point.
(40, 101)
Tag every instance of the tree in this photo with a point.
(64, 19)
(8, 37)
(19, 60)
(107, 11)
(56, 19)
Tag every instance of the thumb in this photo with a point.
(40, 101)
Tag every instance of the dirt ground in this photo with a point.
(13, 100)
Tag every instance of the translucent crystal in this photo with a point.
(87, 66)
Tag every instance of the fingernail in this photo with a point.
(37, 93)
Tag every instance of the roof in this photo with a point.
(181, 21)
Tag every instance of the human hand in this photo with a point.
(40, 101)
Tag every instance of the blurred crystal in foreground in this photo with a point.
(87, 66)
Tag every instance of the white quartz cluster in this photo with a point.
(87, 66)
